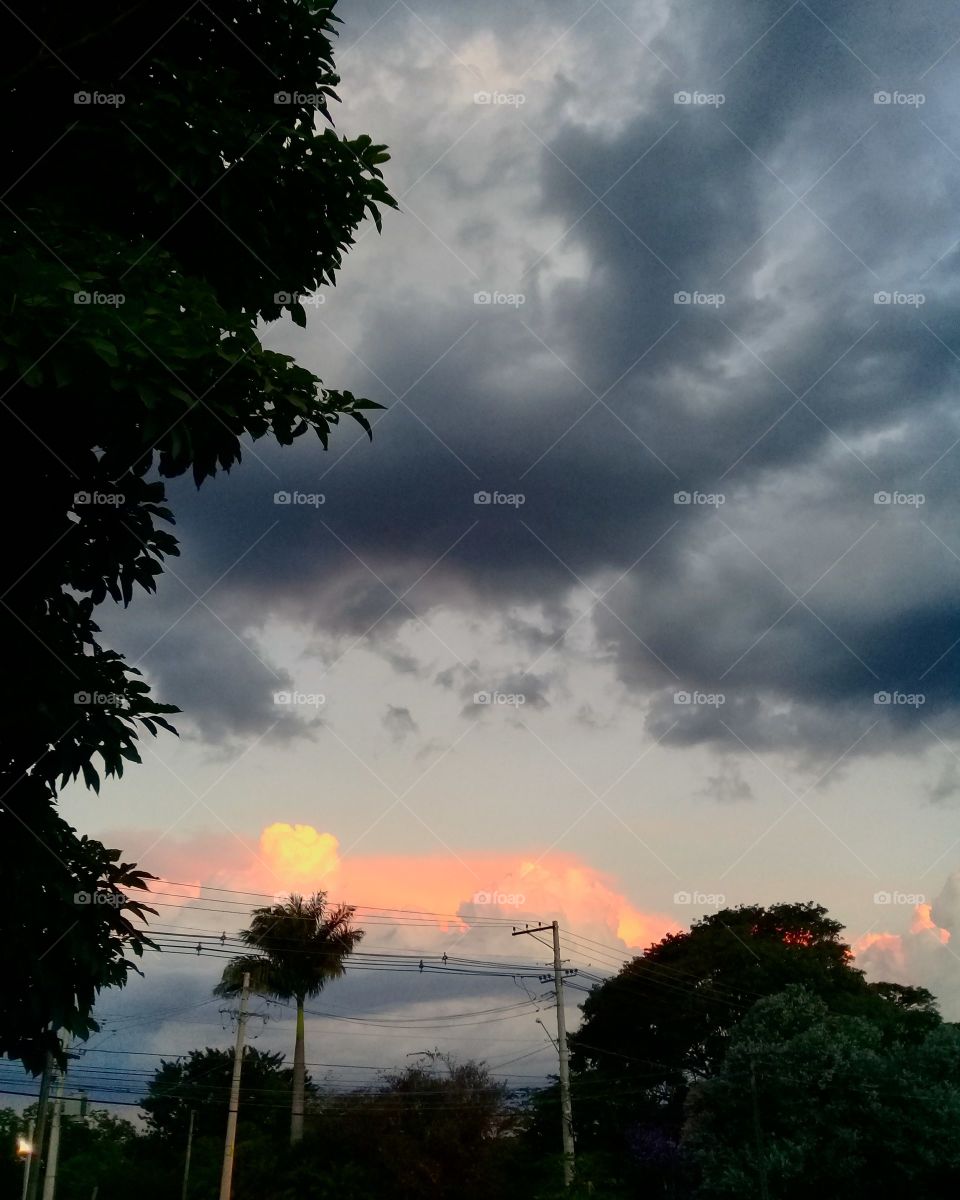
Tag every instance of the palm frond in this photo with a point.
(298, 946)
(264, 977)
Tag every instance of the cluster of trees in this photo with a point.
(744, 1058)
(749, 1057)
(438, 1129)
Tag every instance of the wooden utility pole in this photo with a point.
(226, 1178)
(566, 1108)
(186, 1162)
(53, 1151)
(43, 1102)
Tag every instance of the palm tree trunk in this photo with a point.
(299, 1077)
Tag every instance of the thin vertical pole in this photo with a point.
(229, 1145)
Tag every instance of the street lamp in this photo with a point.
(25, 1151)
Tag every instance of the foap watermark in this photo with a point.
(99, 499)
(310, 99)
(900, 699)
(704, 899)
(710, 699)
(900, 499)
(100, 99)
(110, 899)
(308, 300)
(100, 699)
(504, 99)
(506, 499)
(911, 898)
(302, 499)
(293, 699)
(500, 899)
(904, 299)
(510, 699)
(700, 99)
(710, 499)
(104, 299)
(900, 99)
(700, 299)
(500, 299)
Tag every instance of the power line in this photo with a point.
(372, 910)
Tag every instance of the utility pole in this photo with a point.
(226, 1177)
(53, 1153)
(566, 1109)
(186, 1163)
(36, 1159)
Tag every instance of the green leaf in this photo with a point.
(106, 350)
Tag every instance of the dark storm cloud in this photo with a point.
(399, 722)
(171, 1012)
(216, 672)
(600, 400)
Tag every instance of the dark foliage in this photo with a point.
(169, 181)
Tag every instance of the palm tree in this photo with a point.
(296, 948)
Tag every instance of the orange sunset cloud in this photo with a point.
(459, 888)
(904, 957)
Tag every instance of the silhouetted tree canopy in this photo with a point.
(665, 1020)
(809, 1102)
(296, 948)
(201, 1082)
(168, 184)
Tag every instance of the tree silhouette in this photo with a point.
(177, 183)
(297, 948)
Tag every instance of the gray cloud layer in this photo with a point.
(599, 399)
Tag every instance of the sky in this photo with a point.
(643, 598)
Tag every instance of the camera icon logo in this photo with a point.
(82, 898)
(881, 497)
(281, 497)
(481, 898)
(82, 697)
(881, 697)
(481, 697)
(682, 97)
(881, 97)
(81, 97)
(682, 898)
(482, 297)
(681, 697)
(681, 297)
(481, 497)
(681, 497)
(282, 98)
(283, 697)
